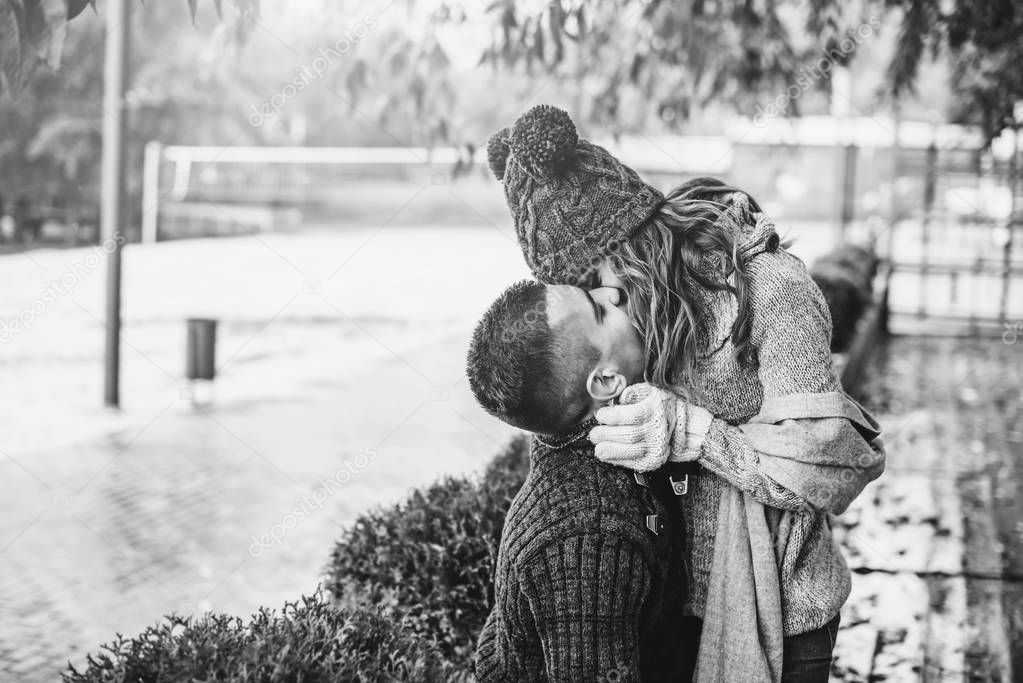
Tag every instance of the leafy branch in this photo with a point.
(680, 56)
(34, 32)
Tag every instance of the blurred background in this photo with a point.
(279, 281)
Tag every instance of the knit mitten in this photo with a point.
(637, 433)
(687, 440)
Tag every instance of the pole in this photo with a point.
(151, 192)
(848, 189)
(930, 181)
(1003, 307)
(112, 213)
(893, 209)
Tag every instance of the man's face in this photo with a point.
(599, 317)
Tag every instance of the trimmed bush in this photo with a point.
(310, 641)
(859, 263)
(431, 557)
(846, 304)
(845, 276)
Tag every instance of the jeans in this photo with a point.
(806, 658)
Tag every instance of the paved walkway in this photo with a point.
(219, 509)
(937, 542)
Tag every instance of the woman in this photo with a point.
(739, 381)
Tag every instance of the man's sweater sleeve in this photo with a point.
(586, 596)
(791, 332)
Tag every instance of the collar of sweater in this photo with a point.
(557, 442)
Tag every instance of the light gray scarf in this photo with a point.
(742, 636)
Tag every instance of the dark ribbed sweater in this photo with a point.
(582, 591)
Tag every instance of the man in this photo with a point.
(589, 580)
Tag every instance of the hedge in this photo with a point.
(309, 641)
(431, 558)
(845, 276)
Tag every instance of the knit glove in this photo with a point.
(693, 424)
(637, 433)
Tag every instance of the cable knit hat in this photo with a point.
(570, 199)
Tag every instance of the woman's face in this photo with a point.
(606, 277)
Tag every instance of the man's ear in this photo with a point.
(603, 384)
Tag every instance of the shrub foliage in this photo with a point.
(845, 276)
(310, 640)
(431, 558)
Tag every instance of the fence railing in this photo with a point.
(951, 240)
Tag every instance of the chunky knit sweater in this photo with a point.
(791, 329)
(582, 591)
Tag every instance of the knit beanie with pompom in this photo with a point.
(571, 201)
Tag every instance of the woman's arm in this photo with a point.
(796, 456)
(741, 456)
(805, 417)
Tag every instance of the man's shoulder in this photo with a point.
(574, 476)
(569, 492)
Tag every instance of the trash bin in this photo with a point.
(200, 349)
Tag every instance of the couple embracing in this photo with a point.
(691, 440)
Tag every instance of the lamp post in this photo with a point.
(1014, 173)
(112, 213)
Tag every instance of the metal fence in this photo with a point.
(945, 217)
(956, 250)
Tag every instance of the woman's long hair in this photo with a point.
(687, 245)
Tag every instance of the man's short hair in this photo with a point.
(525, 373)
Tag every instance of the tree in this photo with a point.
(680, 56)
(32, 27)
(676, 56)
(660, 60)
(34, 31)
(50, 152)
(984, 42)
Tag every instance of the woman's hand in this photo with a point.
(637, 433)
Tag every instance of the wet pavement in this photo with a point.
(936, 544)
(220, 508)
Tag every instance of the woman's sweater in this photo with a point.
(791, 331)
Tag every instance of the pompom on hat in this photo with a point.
(571, 200)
